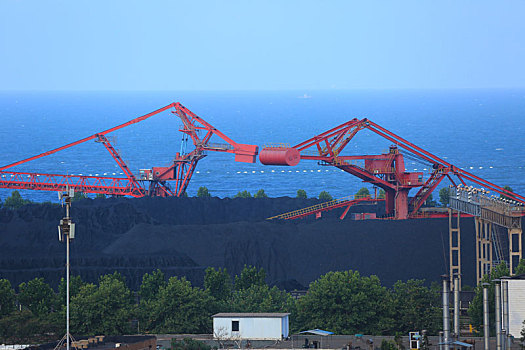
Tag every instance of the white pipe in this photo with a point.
(456, 307)
(446, 314)
(486, 329)
(497, 302)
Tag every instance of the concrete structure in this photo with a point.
(516, 300)
(250, 326)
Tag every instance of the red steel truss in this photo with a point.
(153, 182)
(386, 171)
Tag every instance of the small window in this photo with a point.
(235, 326)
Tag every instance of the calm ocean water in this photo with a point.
(479, 130)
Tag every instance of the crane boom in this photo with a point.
(153, 182)
(386, 171)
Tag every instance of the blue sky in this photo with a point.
(260, 45)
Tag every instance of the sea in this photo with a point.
(479, 130)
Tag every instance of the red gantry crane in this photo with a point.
(150, 182)
(386, 171)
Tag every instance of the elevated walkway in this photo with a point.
(317, 209)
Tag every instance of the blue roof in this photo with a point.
(317, 332)
(457, 342)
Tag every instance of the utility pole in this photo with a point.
(66, 233)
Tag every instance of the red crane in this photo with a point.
(152, 182)
(386, 171)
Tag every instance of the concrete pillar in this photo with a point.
(486, 329)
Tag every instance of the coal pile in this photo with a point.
(183, 236)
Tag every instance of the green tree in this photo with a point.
(261, 298)
(346, 303)
(430, 202)
(325, 196)
(362, 193)
(7, 298)
(520, 269)
(250, 276)
(23, 327)
(106, 309)
(151, 284)
(100, 195)
(15, 201)
(203, 192)
(444, 196)
(179, 308)
(75, 284)
(243, 194)
(218, 284)
(381, 194)
(475, 310)
(416, 307)
(301, 194)
(260, 194)
(508, 188)
(37, 296)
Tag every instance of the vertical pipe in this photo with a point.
(456, 307)
(497, 303)
(67, 292)
(486, 329)
(446, 314)
(68, 232)
(505, 284)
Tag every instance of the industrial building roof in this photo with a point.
(251, 314)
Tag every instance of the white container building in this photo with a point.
(516, 304)
(250, 326)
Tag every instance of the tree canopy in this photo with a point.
(7, 298)
(250, 276)
(301, 194)
(103, 309)
(325, 196)
(243, 194)
(15, 201)
(362, 193)
(203, 192)
(37, 296)
(475, 310)
(344, 302)
(444, 196)
(260, 194)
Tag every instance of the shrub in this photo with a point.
(243, 194)
(301, 194)
(203, 192)
(325, 196)
(260, 194)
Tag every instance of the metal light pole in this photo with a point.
(66, 233)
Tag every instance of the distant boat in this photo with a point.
(305, 96)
